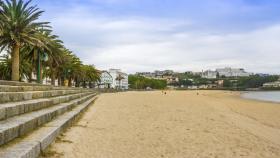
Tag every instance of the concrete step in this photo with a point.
(8, 110)
(14, 83)
(20, 96)
(71, 88)
(21, 125)
(12, 86)
(8, 88)
(32, 145)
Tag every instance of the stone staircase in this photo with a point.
(33, 115)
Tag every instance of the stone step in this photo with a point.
(8, 110)
(32, 145)
(8, 88)
(21, 125)
(61, 88)
(20, 96)
(12, 86)
(14, 83)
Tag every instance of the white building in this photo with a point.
(231, 72)
(123, 82)
(156, 74)
(209, 74)
(146, 74)
(275, 84)
(106, 80)
(162, 73)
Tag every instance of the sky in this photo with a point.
(182, 35)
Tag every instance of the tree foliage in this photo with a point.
(26, 39)
(139, 82)
(254, 81)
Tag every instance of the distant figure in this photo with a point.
(165, 93)
(197, 93)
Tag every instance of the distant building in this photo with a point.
(196, 73)
(188, 72)
(209, 74)
(146, 74)
(171, 79)
(123, 83)
(165, 72)
(220, 83)
(168, 75)
(232, 72)
(275, 84)
(193, 87)
(106, 80)
(262, 75)
(156, 74)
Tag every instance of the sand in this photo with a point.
(181, 124)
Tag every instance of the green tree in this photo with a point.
(255, 81)
(18, 27)
(227, 83)
(53, 49)
(119, 78)
(6, 64)
(70, 68)
(92, 75)
(140, 82)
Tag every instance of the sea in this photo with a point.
(272, 96)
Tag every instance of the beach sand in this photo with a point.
(180, 124)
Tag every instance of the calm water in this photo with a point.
(265, 96)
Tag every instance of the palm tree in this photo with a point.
(19, 27)
(52, 48)
(69, 68)
(6, 64)
(55, 57)
(119, 78)
(92, 74)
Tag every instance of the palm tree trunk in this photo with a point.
(30, 77)
(119, 84)
(78, 83)
(59, 81)
(15, 62)
(52, 77)
(63, 81)
(70, 82)
(84, 84)
(90, 84)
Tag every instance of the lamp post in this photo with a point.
(69, 78)
(39, 58)
(66, 75)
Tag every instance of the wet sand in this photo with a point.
(180, 124)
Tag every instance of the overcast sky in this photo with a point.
(145, 35)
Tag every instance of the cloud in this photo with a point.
(255, 51)
(141, 43)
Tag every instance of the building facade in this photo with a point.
(106, 80)
(275, 84)
(167, 75)
(209, 74)
(146, 74)
(232, 72)
(156, 74)
(120, 79)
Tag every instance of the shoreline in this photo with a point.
(260, 99)
(240, 93)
